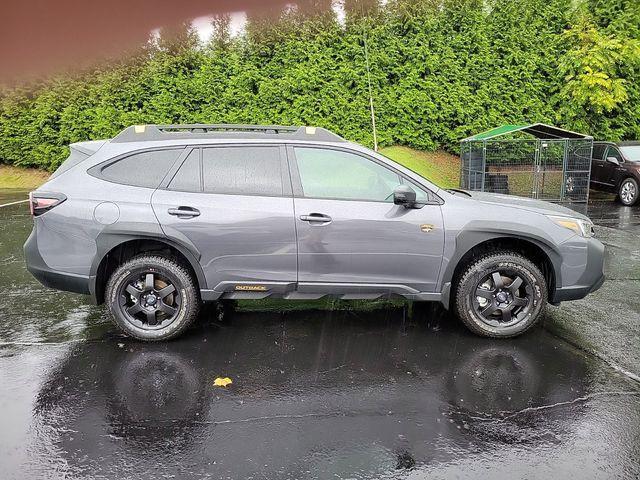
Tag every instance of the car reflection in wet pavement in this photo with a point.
(385, 392)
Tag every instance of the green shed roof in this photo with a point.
(538, 130)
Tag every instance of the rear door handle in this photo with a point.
(316, 218)
(184, 212)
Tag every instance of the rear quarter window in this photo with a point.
(143, 169)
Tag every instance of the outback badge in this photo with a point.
(251, 288)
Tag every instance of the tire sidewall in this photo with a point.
(130, 269)
(484, 268)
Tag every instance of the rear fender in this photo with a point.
(111, 238)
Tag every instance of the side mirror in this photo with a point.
(613, 160)
(404, 195)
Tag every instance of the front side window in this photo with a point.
(615, 153)
(336, 174)
(246, 170)
(422, 195)
(144, 169)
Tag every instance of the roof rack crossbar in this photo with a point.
(226, 127)
(137, 133)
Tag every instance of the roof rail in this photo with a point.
(140, 133)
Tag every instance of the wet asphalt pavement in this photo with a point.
(607, 322)
(386, 392)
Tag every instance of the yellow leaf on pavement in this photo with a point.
(222, 382)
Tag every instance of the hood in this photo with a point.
(524, 203)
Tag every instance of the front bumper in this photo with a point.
(583, 277)
(69, 282)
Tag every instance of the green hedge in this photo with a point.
(440, 71)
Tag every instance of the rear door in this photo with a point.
(598, 164)
(233, 205)
(351, 237)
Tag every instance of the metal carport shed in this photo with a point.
(536, 160)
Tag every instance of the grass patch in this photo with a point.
(439, 167)
(23, 178)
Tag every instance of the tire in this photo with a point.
(141, 300)
(481, 297)
(628, 192)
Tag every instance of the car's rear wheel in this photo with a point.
(502, 294)
(152, 298)
(628, 192)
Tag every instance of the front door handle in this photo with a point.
(184, 212)
(316, 218)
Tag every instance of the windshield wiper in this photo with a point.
(457, 190)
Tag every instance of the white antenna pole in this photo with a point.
(373, 113)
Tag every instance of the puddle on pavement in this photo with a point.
(318, 394)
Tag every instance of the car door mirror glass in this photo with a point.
(404, 195)
(613, 160)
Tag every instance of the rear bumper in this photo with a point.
(69, 282)
(591, 275)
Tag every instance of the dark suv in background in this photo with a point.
(163, 217)
(615, 167)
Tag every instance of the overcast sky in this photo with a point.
(238, 20)
(40, 37)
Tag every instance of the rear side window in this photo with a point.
(144, 169)
(598, 151)
(246, 170)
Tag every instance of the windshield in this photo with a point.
(631, 153)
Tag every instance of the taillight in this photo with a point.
(43, 202)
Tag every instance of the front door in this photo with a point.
(611, 171)
(350, 233)
(233, 205)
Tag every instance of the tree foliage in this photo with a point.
(440, 70)
(599, 67)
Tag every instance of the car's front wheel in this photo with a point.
(628, 192)
(501, 294)
(152, 298)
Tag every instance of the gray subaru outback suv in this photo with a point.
(164, 217)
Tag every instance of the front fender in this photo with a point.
(476, 233)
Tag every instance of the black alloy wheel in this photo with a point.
(500, 294)
(503, 298)
(149, 300)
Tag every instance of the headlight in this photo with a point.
(584, 228)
